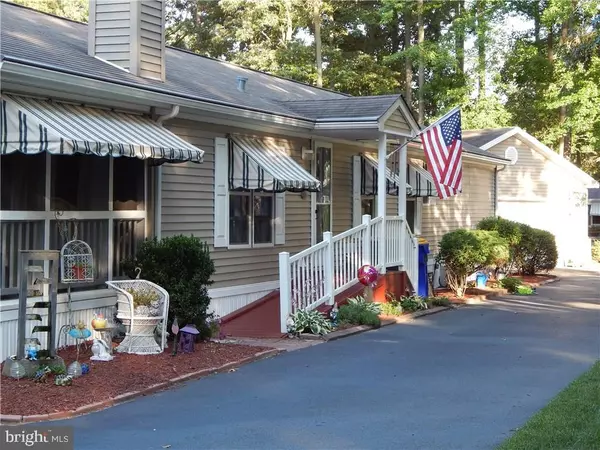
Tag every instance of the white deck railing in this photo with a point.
(316, 275)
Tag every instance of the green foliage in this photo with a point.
(360, 302)
(183, 267)
(143, 297)
(596, 250)
(439, 301)
(510, 284)
(536, 252)
(464, 252)
(312, 321)
(524, 290)
(391, 309)
(357, 314)
(506, 229)
(413, 303)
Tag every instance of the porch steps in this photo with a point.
(261, 319)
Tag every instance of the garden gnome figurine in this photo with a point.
(101, 351)
(187, 338)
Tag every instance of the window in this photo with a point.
(78, 189)
(251, 217)
(410, 213)
(23, 182)
(368, 206)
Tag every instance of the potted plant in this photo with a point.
(79, 270)
(145, 302)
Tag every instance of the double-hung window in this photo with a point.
(251, 218)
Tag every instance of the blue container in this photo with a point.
(480, 279)
(423, 288)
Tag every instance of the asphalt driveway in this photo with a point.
(462, 379)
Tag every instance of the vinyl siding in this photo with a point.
(151, 39)
(537, 191)
(188, 208)
(397, 123)
(463, 211)
(113, 31)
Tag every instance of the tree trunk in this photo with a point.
(481, 32)
(408, 69)
(550, 44)
(537, 25)
(420, 43)
(460, 37)
(562, 110)
(318, 43)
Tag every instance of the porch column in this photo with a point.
(382, 194)
(402, 169)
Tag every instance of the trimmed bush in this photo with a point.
(464, 252)
(536, 252)
(356, 314)
(182, 265)
(596, 250)
(508, 230)
(510, 284)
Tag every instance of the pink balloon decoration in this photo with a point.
(367, 275)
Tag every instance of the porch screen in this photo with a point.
(262, 165)
(368, 175)
(30, 125)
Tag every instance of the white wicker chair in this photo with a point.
(139, 338)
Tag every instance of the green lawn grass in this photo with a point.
(571, 421)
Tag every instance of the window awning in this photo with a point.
(421, 181)
(263, 166)
(368, 173)
(31, 125)
(595, 209)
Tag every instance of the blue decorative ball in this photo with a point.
(85, 368)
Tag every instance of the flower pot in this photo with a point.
(78, 272)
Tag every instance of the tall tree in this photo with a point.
(420, 44)
(408, 67)
(317, 5)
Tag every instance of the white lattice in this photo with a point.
(139, 338)
(77, 262)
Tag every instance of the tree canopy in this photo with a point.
(544, 78)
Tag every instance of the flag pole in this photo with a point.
(449, 113)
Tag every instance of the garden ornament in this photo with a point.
(367, 275)
(32, 353)
(187, 338)
(101, 351)
(63, 380)
(41, 376)
(175, 331)
(333, 314)
(85, 369)
(74, 369)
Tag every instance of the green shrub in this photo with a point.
(360, 302)
(506, 229)
(413, 303)
(524, 290)
(439, 301)
(182, 265)
(536, 251)
(391, 309)
(356, 314)
(464, 252)
(596, 250)
(312, 321)
(510, 284)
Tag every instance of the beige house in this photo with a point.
(110, 135)
(540, 188)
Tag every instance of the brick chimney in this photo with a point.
(129, 34)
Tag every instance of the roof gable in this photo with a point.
(499, 135)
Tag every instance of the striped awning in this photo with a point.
(368, 174)
(595, 209)
(30, 125)
(256, 164)
(421, 181)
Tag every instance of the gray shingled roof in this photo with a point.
(346, 108)
(482, 137)
(41, 39)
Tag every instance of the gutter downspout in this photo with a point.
(159, 177)
(496, 170)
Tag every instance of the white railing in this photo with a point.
(410, 259)
(316, 275)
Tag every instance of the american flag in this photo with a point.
(443, 149)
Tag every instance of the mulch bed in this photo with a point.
(534, 280)
(126, 373)
(470, 294)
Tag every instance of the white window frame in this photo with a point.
(251, 244)
(313, 198)
(48, 215)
